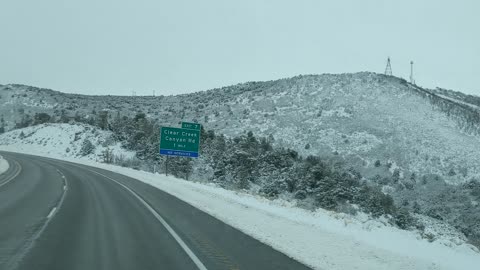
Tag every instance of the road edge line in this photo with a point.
(172, 232)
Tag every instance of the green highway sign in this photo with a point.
(179, 141)
(191, 125)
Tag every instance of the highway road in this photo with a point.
(61, 215)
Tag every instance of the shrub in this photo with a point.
(87, 148)
(270, 191)
(41, 118)
(107, 156)
(403, 219)
(374, 201)
(300, 194)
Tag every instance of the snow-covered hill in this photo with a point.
(362, 117)
(62, 141)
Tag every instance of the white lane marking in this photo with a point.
(15, 260)
(179, 240)
(16, 174)
(64, 179)
(52, 212)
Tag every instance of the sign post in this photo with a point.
(166, 166)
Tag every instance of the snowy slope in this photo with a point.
(3, 165)
(362, 117)
(320, 239)
(466, 99)
(61, 140)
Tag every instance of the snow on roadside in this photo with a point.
(3, 165)
(321, 239)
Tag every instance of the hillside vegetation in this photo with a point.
(344, 142)
(362, 117)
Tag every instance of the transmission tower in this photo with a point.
(388, 69)
(412, 81)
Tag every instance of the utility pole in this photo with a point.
(388, 68)
(412, 81)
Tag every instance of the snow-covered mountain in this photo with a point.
(362, 117)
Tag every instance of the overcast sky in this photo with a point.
(120, 46)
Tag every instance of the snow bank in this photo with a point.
(3, 165)
(321, 239)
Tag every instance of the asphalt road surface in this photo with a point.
(60, 215)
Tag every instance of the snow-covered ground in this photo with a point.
(62, 140)
(320, 239)
(3, 165)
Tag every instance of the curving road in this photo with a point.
(61, 215)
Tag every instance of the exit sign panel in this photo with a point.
(191, 125)
(179, 141)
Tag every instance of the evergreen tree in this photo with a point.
(2, 125)
(41, 118)
(396, 175)
(63, 117)
(103, 120)
(24, 122)
(373, 200)
(403, 219)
